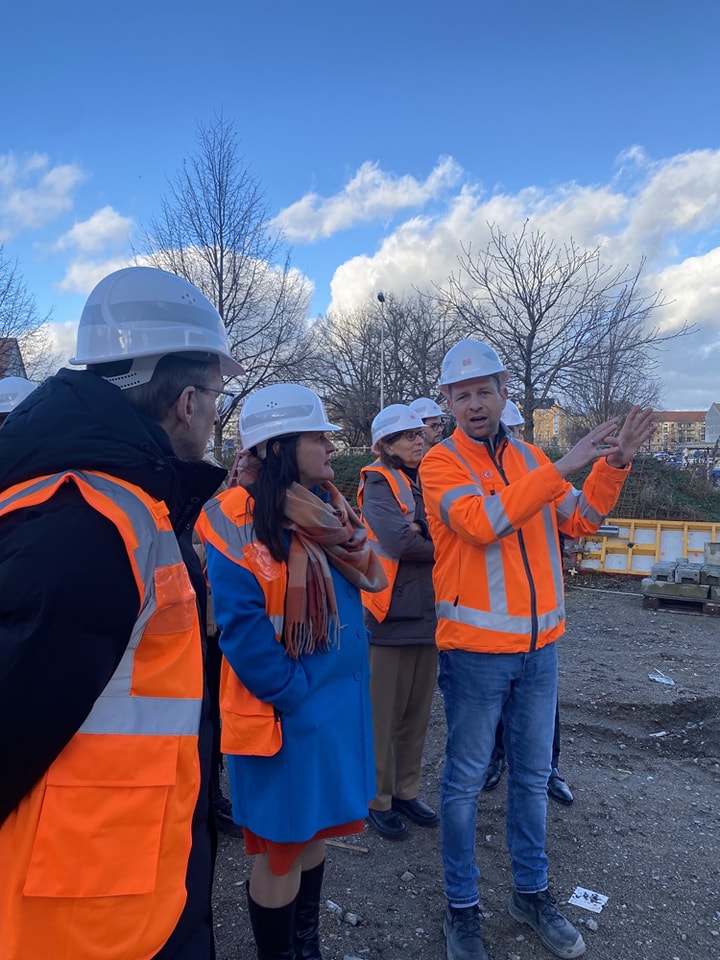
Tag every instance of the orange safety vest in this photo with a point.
(494, 521)
(93, 860)
(379, 603)
(250, 727)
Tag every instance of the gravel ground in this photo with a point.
(643, 760)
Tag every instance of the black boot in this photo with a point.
(307, 914)
(273, 929)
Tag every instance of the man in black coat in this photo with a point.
(142, 413)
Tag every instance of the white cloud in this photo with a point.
(371, 194)
(105, 228)
(667, 211)
(690, 365)
(33, 193)
(63, 336)
(82, 275)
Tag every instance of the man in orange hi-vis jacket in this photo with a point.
(105, 841)
(495, 505)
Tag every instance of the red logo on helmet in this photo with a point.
(467, 362)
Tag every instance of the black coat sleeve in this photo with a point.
(68, 603)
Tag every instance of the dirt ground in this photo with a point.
(643, 760)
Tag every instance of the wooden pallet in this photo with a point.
(682, 604)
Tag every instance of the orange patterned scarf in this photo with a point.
(322, 532)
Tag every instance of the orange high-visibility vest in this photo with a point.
(494, 521)
(94, 858)
(250, 727)
(379, 603)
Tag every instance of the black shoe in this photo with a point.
(555, 931)
(494, 773)
(463, 933)
(558, 789)
(388, 824)
(222, 814)
(417, 811)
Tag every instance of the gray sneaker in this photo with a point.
(461, 927)
(555, 931)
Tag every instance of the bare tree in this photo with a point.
(621, 374)
(20, 320)
(552, 311)
(349, 353)
(213, 229)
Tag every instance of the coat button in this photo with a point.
(357, 675)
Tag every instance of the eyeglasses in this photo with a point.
(437, 427)
(225, 398)
(411, 435)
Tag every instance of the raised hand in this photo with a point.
(593, 445)
(637, 429)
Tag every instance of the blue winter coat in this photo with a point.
(324, 774)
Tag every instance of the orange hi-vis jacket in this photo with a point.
(494, 521)
(250, 727)
(379, 603)
(94, 858)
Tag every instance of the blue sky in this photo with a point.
(384, 134)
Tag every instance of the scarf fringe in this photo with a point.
(303, 638)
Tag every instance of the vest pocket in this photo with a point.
(102, 817)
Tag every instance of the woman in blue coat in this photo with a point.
(286, 560)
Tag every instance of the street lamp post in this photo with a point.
(381, 301)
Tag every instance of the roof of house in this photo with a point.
(11, 361)
(677, 416)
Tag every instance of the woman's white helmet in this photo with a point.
(425, 407)
(469, 359)
(394, 419)
(142, 314)
(13, 390)
(511, 416)
(278, 411)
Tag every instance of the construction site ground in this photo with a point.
(642, 757)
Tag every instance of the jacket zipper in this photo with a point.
(523, 554)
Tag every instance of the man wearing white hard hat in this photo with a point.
(105, 844)
(495, 507)
(431, 415)
(13, 390)
(401, 620)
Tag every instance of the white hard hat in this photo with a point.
(394, 419)
(142, 313)
(469, 359)
(13, 391)
(424, 407)
(279, 410)
(511, 416)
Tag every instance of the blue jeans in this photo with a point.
(479, 689)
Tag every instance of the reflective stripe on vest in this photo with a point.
(116, 710)
(95, 856)
(379, 603)
(250, 727)
(232, 540)
(497, 619)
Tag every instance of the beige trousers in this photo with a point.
(402, 682)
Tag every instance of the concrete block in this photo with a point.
(664, 570)
(688, 573)
(710, 574)
(712, 552)
(715, 593)
(684, 591)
